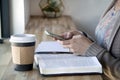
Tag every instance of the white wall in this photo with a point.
(84, 12)
(19, 15)
(0, 24)
(34, 7)
(27, 11)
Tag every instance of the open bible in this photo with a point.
(65, 63)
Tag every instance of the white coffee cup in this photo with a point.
(23, 46)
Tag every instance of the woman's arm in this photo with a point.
(111, 65)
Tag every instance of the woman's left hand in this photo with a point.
(78, 44)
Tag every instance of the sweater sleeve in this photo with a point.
(110, 64)
(94, 50)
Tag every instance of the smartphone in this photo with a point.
(53, 35)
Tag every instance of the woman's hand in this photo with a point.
(78, 44)
(69, 35)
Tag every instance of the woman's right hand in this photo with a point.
(69, 35)
(78, 44)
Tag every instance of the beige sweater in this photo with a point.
(110, 57)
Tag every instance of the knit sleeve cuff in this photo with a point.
(94, 50)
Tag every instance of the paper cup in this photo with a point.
(23, 46)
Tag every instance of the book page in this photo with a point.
(60, 63)
(67, 60)
(51, 46)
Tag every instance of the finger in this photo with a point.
(71, 50)
(67, 35)
(67, 46)
(65, 42)
(77, 36)
(55, 39)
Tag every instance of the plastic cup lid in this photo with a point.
(22, 38)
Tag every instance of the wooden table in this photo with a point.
(36, 26)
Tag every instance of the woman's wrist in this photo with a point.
(94, 50)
